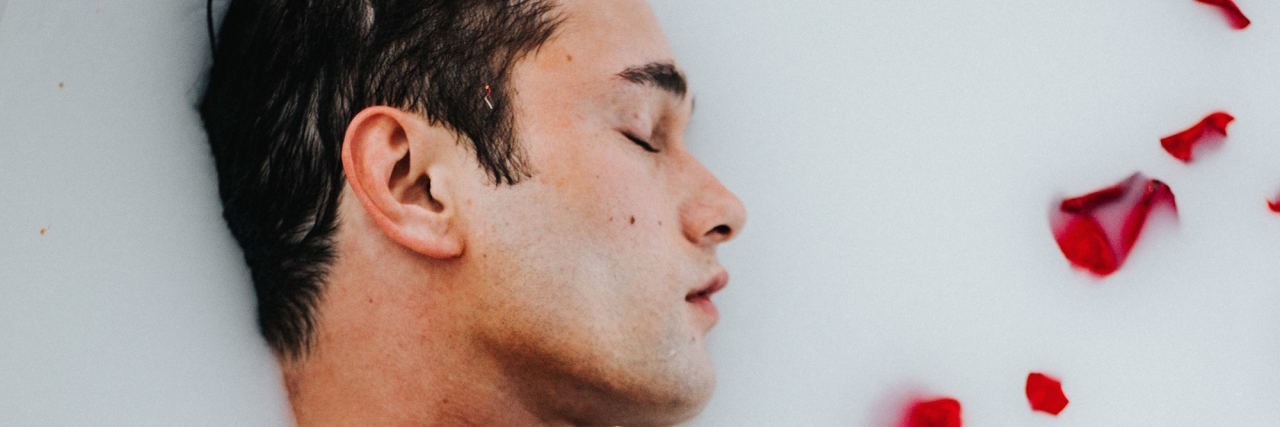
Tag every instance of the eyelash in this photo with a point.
(642, 143)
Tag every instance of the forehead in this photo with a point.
(595, 41)
(611, 23)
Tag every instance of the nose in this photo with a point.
(710, 214)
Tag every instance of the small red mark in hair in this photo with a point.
(487, 92)
(1234, 15)
(943, 412)
(1097, 230)
(1211, 129)
(1045, 394)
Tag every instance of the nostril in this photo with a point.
(721, 229)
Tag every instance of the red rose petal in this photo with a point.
(943, 412)
(1087, 202)
(1045, 394)
(1274, 205)
(1180, 144)
(1085, 245)
(1153, 192)
(1096, 231)
(1237, 18)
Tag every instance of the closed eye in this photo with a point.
(642, 143)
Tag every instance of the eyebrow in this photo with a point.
(662, 75)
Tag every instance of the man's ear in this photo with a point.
(403, 170)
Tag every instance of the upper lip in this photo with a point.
(717, 282)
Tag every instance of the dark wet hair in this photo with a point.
(287, 78)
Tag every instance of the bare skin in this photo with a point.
(570, 298)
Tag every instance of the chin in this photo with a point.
(696, 384)
(694, 403)
(681, 398)
(652, 405)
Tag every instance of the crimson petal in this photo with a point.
(1179, 145)
(1237, 18)
(1087, 202)
(943, 412)
(1096, 231)
(1045, 394)
(1085, 245)
(1274, 205)
(1154, 192)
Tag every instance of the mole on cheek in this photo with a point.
(633, 220)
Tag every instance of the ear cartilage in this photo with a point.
(488, 91)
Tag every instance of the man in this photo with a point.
(470, 212)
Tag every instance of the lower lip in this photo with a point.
(705, 304)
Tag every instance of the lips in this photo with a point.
(713, 285)
(701, 297)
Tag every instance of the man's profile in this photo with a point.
(470, 212)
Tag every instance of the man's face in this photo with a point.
(584, 272)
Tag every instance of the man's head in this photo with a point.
(553, 228)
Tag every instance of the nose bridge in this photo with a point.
(710, 213)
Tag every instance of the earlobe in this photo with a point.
(402, 168)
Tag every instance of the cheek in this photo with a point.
(591, 249)
(605, 183)
(593, 229)
(576, 285)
